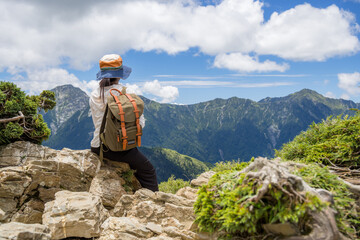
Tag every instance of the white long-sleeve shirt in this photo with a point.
(97, 107)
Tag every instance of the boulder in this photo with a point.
(148, 206)
(124, 228)
(30, 212)
(108, 185)
(202, 179)
(21, 231)
(74, 214)
(187, 192)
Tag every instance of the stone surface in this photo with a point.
(187, 192)
(30, 212)
(108, 185)
(21, 231)
(74, 214)
(131, 226)
(202, 179)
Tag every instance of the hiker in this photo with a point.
(111, 71)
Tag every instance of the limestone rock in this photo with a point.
(202, 179)
(30, 212)
(108, 186)
(114, 226)
(187, 192)
(66, 169)
(13, 182)
(21, 231)
(148, 206)
(74, 214)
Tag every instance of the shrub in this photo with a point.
(172, 185)
(19, 117)
(230, 165)
(334, 141)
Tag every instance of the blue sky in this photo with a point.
(186, 51)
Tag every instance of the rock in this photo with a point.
(148, 206)
(2, 215)
(47, 194)
(74, 214)
(284, 229)
(130, 226)
(202, 179)
(108, 186)
(172, 198)
(187, 192)
(13, 182)
(154, 227)
(66, 169)
(30, 212)
(21, 231)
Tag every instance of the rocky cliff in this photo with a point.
(59, 194)
(68, 194)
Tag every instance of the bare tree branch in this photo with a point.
(13, 119)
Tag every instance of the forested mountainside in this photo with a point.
(221, 129)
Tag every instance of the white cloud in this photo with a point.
(245, 63)
(39, 80)
(330, 95)
(305, 33)
(166, 93)
(345, 96)
(350, 82)
(42, 35)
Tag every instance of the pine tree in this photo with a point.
(19, 114)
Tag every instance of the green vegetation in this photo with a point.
(334, 141)
(172, 185)
(19, 118)
(168, 162)
(230, 165)
(348, 217)
(224, 205)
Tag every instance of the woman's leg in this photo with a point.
(145, 172)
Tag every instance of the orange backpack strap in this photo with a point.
(122, 118)
(136, 111)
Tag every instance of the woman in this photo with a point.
(111, 71)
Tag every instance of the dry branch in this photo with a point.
(13, 119)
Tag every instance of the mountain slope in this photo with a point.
(69, 100)
(221, 129)
(168, 162)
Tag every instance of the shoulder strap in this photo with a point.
(136, 111)
(100, 135)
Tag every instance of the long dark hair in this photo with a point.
(106, 82)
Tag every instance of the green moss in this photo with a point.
(223, 205)
(348, 216)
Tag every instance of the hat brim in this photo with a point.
(123, 73)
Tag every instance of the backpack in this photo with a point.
(120, 128)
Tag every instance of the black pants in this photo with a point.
(145, 172)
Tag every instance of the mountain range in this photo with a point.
(212, 131)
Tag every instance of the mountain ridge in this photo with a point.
(223, 129)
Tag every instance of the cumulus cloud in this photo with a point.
(39, 80)
(245, 63)
(50, 33)
(330, 95)
(305, 33)
(350, 82)
(166, 93)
